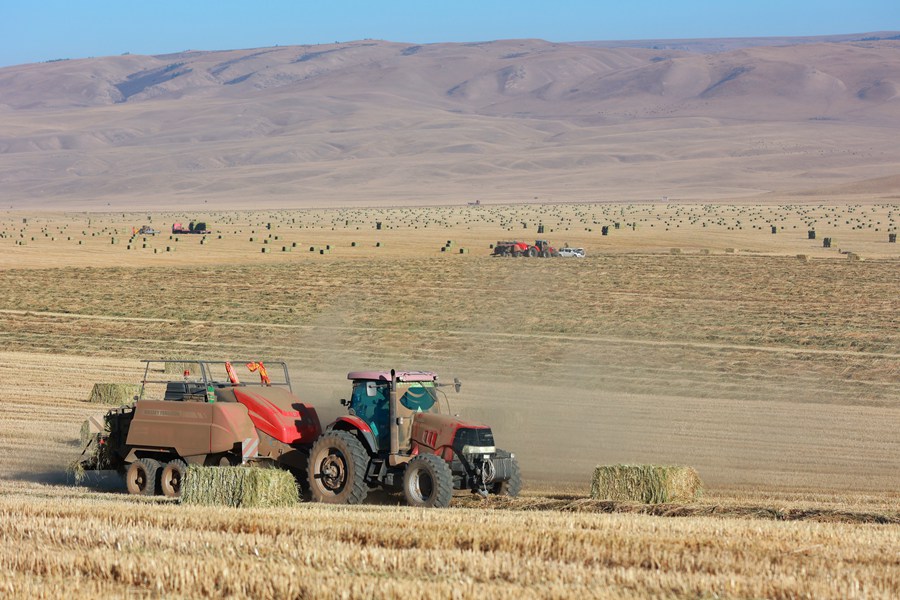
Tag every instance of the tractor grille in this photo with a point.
(472, 437)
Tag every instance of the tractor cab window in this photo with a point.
(420, 396)
(370, 402)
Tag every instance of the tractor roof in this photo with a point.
(386, 375)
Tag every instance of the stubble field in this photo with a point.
(776, 377)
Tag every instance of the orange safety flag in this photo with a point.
(232, 376)
(263, 374)
(133, 231)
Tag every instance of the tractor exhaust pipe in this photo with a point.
(395, 426)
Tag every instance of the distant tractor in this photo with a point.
(205, 417)
(540, 248)
(396, 437)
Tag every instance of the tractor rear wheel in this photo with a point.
(428, 482)
(173, 478)
(337, 469)
(512, 486)
(531, 252)
(142, 477)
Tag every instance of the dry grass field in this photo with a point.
(776, 377)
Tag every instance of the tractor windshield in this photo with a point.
(419, 396)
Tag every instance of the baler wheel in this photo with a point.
(337, 469)
(142, 477)
(173, 478)
(428, 482)
(545, 254)
(512, 486)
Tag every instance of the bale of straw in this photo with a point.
(114, 393)
(239, 487)
(649, 484)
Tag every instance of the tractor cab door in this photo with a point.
(413, 398)
(371, 403)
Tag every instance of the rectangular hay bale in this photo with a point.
(649, 484)
(239, 487)
(114, 393)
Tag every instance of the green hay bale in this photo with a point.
(114, 393)
(239, 486)
(650, 484)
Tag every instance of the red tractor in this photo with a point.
(541, 248)
(395, 437)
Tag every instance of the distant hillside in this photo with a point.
(375, 122)
(712, 45)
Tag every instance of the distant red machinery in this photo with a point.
(540, 248)
(198, 227)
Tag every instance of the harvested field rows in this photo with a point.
(90, 543)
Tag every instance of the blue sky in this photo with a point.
(50, 29)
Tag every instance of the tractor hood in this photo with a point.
(440, 431)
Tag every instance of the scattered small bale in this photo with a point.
(378, 244)
(802, 258)
(353, 244)
(248, 487)
(114, 393)
(649, 484)
(463, 250)
(675, 251)
(264, 250)
(729, 250)
(852, 256)
(704, 251)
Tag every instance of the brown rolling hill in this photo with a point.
(382, 123)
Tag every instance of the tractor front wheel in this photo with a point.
(142, 477)
(428, 482)
(337, 469)
(512, 486)
(173, 478)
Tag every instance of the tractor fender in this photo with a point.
(357, 426)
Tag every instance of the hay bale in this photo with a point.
(650, 484)
(114, 393)
(239, 487)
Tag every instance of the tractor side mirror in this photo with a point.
(457, 384)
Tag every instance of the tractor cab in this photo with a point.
(370, 401)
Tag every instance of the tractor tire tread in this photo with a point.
(442, 480)
(357, 455)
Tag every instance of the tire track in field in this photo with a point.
(463, 332)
